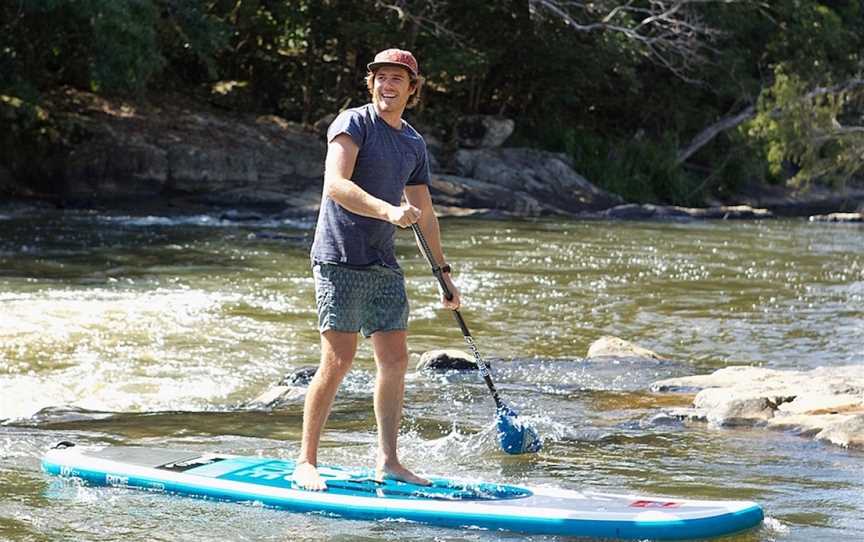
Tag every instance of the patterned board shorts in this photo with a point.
(366, 300)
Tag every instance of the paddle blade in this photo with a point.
(514, 436)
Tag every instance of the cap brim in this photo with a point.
(374, 65)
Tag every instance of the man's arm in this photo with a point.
(418, 196)
(338, 186)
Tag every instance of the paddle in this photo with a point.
(514, 436)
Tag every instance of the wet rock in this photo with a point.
(662, 419)
(838, 217)
(729, 212)
(290, 389)
(723, 378)
(615, 347)
(446, 360)
(847, 432)
(813, 200)
(633, 211)
(826, 403)
(725, 407)
(67, 414)
(301, 377)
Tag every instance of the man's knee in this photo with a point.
(391, 350)
(393, 362)
(333, 365)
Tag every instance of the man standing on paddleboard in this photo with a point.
(374, 159)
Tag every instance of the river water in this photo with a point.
(156, 330)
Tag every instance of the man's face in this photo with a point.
(391, 88)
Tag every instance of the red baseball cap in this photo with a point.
(395, 57)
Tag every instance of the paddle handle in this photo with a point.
(482, 366)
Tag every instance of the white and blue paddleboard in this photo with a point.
(352, 493)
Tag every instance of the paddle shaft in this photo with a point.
(482, 366)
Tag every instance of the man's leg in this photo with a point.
(337, 354)
(391, 357)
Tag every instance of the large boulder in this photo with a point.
(545, 176)
(465, 192)
(446, 360)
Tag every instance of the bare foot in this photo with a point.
(398, 472)
(306, 477)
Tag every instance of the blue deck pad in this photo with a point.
(279, 473)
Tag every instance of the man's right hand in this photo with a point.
(403, 215)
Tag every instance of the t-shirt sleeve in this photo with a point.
(348, 122)
(421, 173)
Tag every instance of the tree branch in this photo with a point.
(670, 33)
(424, 15)
(726, 123)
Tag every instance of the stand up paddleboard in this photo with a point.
(352, 493)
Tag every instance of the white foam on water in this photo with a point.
(124, 351)
(204, 220)
(775, 525)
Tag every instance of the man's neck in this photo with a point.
(393, 118)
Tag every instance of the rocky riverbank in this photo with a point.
(179, 153)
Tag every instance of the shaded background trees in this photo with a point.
(622, 87)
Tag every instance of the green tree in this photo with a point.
(799, 128)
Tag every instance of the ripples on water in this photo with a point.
(155, 330)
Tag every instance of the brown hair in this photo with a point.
(416, 82)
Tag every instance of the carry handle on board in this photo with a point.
(514, 436)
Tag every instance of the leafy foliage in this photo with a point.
(572, 80)
(800, 130)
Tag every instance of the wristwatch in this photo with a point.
(445, 268)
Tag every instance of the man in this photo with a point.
(374, 159)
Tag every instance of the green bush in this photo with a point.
(639, 169)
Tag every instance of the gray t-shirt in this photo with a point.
(388, 160)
